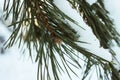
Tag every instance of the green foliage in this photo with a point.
(96, 16)
(44, 27)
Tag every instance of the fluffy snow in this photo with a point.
(16, 66)
(87, 36)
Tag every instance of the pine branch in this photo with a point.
(96, 16)
(42, 26)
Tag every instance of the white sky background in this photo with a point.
(15, 66)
